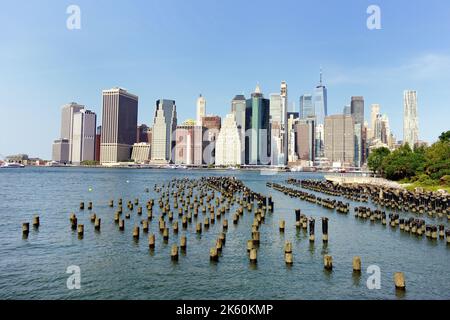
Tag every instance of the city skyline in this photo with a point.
(40, 75)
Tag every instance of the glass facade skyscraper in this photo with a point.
(320, 102)
(257, 124)
(357, 109)
(306, 106)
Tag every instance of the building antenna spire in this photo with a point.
(321, 76)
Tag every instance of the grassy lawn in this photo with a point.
(412, 186)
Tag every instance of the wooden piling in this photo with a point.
(97, 223)
(25, 228)
(282, 225)
(328, 262)
(36, 222)
(213, 254)
(151, 241)
(399, 281)
(253, 255)
(80, 229)
(136, 232)
(174, 253)
(356, 264)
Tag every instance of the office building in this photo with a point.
(212, 125)
(83, 136)
(305, 138)
(141, 152)
(357, 109)
(98, 137)
(228, 144)
(60, 151)
(163, 134)
(201, 109)
(257, 123)
(119, 122)
(340, 140)
(306, 106)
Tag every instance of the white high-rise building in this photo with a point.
(277, 120)
(291, 122)
(201, 110)
(164, 130)
(67, 117)
(228, 143)
(84, 131)
(410, 118)
(375, 111)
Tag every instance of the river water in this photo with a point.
(114, 266)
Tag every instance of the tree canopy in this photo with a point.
(427, 165)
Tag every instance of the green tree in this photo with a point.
(437, 163)
(445, 136)
(404, 163)
(376, 159)
(90, 163)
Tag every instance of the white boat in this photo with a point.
(12, 165)
(54, 164)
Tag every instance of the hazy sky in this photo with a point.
(178, 49)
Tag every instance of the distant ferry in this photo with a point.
(12, 165)
(175, 167)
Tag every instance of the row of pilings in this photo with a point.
(432, 203)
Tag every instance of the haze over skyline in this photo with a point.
(177, 50)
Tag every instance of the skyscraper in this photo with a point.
(228, 144)
(84, 133)
(238, 105)
(212, 125)
(60, 151)
(163, 134)
(320, 102)
(98, 139)
(257, 124)
(306, 106)
(305, 132)
(142, 133)
(184, 146)
(347, 110)
(277, 121)
(357, 109)
(67, 117)
(321, 111)
(119, 123)
(340, 139)
(385, 129)
(410, 118)
(283, 141)
(375, 111)
(359, 145)
(292, 120)
(201, 109)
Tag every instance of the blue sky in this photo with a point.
(177, 49)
